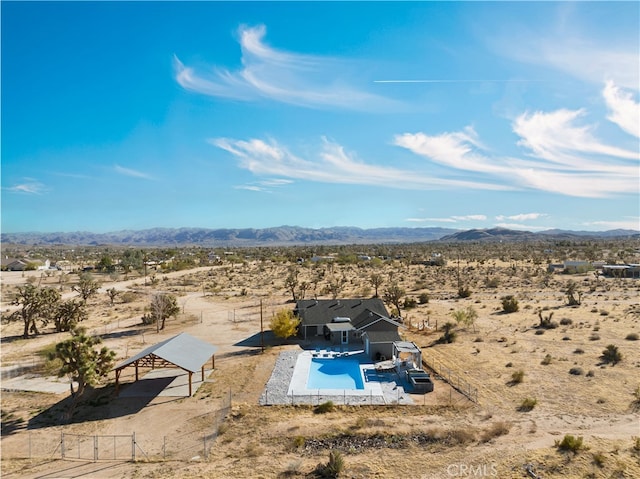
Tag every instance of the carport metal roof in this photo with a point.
(184, 351)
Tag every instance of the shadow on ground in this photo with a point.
(267, 339)
(100, 404)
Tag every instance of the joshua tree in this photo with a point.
(393, 295)
(376, 281)
(571, 294)
(82, 362)
(37, 303)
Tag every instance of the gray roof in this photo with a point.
(336, 327)
(322, 311)
(406, 347)
(382, 336)
(183, 350)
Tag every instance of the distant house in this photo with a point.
(621, 270)
(347, 321)
(14, 264)
(573, 267)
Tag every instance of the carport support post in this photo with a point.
(190, 374)
(202, 372)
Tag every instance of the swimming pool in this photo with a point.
(335, 373)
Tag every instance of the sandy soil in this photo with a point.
(489, 439)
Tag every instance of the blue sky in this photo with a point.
(119, 115)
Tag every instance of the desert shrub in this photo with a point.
(293, 468)
(611, 354)
(598, 459)
(410, 303)
(632, 337)
(508, 365)
(604, 313)
(539, 332)
(566, 321)
(570, 443)
(464, 292)
(298, 442)
(594, 337)
(547, 360)
(576, 371)
(497, 429)
(636, 444)
(517, 377)
(493, 282)
(578, 351)
(591, 373)
(325, 407)
(128, 297)
(423, 298)
(510, 304)
(478, 339)
(527, 404)
(635, 404)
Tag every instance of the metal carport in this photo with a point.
(183, 351)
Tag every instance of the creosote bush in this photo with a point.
(632, 337)
(527, 404)
(570, 443)
(510, 304)
(517, 377)
(611, 354)
(325, 407)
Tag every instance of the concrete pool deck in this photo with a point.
(288, 383)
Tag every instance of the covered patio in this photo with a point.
(182, 351)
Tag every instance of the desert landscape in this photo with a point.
(549, 403)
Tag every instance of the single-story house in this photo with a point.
(621, 270)
(13, 264)
(349, 321)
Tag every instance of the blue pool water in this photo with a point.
(335, 373)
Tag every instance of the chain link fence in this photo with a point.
(452, 377)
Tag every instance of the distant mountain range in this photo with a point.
(295, 235)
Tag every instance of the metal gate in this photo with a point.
(98, 448)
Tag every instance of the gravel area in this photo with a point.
(277, 388)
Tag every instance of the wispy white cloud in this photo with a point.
(333, 164)
(567, 45)
(131, 172)
(521, 217)
(265, 186)
(268, 73)
(28, 186)
(470, 218)
(519, 226)
(562, 155)
(431, 220)
(252, 188)
(627, 224)
(624, 111)
(555, 137)
(451, 219)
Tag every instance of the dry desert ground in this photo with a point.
(222, 431)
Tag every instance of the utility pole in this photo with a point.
(261, 329)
